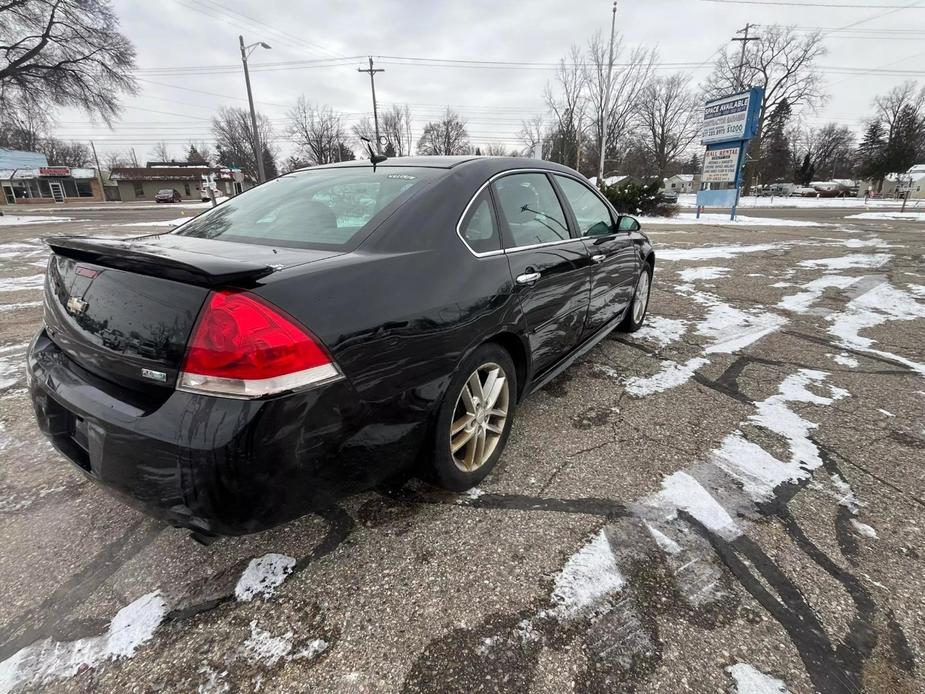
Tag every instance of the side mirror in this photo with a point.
(625, 223)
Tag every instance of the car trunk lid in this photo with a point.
(124, 309)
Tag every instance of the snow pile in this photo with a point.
(750, 680)
(845, 359)
(898, 216)
(9, 220)
(714, 218)
(589, 576)
(263, 576)
(38, 664)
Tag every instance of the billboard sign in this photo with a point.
(721, 165)
(733, 117)
(54, 171)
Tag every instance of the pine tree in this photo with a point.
(194, 157)
(807, 171)
(776, 155)
(872, 161)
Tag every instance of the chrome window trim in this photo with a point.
(504, 251)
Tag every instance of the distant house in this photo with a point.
(27, 178)
(615, 180)
(917, 186)
(191, 181)
(683, 183)
(895, 185)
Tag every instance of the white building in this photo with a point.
(682, 183)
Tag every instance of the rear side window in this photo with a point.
(323, 209)
(531, 209)
(592, 214)
(479, 227)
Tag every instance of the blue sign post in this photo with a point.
(729, 124)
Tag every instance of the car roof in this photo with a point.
(491, 165)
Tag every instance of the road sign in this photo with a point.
(720, 165)
(733, 117)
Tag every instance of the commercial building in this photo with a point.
(191, 181)
(27, 178)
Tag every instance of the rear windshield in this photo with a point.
(165, 191)
(323, 209)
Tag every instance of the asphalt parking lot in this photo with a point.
(733, 497)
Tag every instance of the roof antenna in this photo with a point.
(373, 157)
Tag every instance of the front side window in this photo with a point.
(531, 209)
(593, 215)
(479, 228)
(322, 209)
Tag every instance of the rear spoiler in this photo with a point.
(159, 260)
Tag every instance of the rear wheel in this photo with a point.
(475, 418)
(636, 314)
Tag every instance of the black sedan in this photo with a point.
(334, 329)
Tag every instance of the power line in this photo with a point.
(813, 4)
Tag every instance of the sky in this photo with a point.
(189, 61)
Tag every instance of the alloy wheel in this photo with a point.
(641, 300)
(479, 417)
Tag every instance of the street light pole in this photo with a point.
(605, 111)
(258, 150)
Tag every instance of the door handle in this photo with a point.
(599, 258)
(528, 277)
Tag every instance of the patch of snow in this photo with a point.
(20, 306)
(263, 576)
(702, 273)
(8, 220)
(715, 252)
(714, 218)
(750, 680)
(864, 529)
(845, 494)
(898, 216)
(731, 329)
(781, 285)
(671, 375)
(917, 290)
(799, 303)
(589, 576)
(681, 492)
(312, 649)
(665, 543)
(874, 307)
(265, 648)
(47, 660)
(884, 412)
(845, 359)
(662, 331)
(846, 262)
(474, 493)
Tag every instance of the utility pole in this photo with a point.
(258, 150)
(744, 40)
(372, 83)
(605, 111)
(99, 174)
(134, 158)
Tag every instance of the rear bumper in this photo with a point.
(216, 465)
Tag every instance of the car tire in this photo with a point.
(639, 306)
(468, 465)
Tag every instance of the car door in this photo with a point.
(550, 266)
(611, 250)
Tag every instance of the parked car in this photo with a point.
(670, 196)
(168, 195)
(275, 354)
(804, 192)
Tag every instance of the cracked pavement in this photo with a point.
(761, 511)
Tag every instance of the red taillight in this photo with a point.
(242, 347)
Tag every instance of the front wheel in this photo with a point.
(636, 314)
(475, 418)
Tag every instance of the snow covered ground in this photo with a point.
(690, 200)
(723, 219)
(902, 216)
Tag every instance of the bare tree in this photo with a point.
(317, 131)
(532, 133)
(396, 128)
(160, 152)
(566, 102)
(669, 115)
(895, 104)
(828, 148)
(22, 129)
(116, 159)
(494, 150)
(63, 53)
(61, 153)
(200, 153)
(784, 62)
(446, 136)
(234, 141)
(628, 80)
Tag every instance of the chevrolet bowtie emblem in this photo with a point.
(76, 306)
